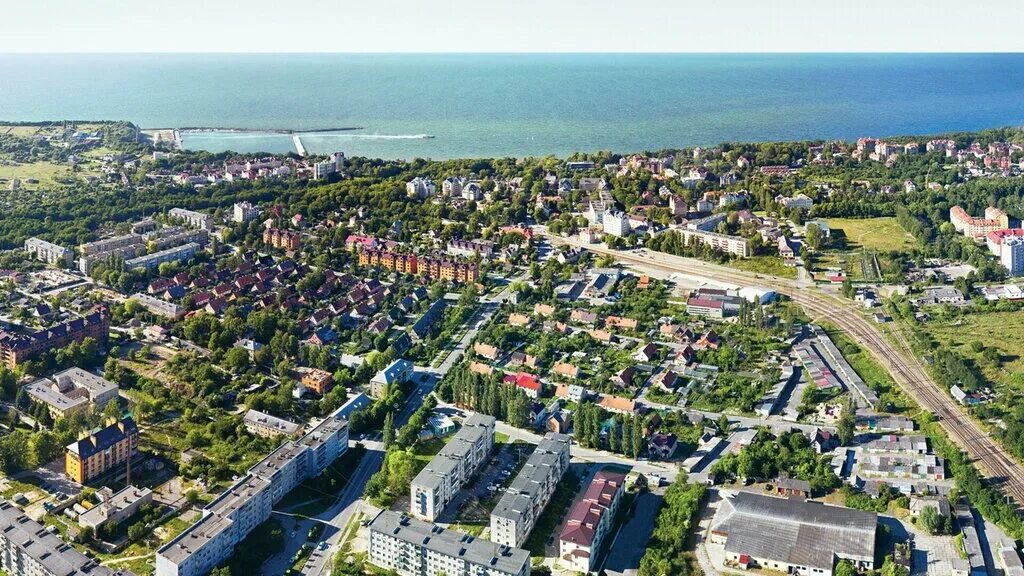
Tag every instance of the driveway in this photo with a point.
(631, 540)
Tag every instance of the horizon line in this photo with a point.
(517, 53)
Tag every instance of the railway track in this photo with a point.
(1001, 469)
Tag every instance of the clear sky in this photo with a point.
(511, 26)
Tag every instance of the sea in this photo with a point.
(494, 105)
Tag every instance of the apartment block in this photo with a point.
(443, 477)
(426, 266)
(412, 547)
(72, 391)
(159, 307)
(516, 513)
(244, 212)
(192, 218)
(49, 252)
(283, 239)
(590, 520)
(16, 348)
(262, 424)
(247, 503)
(101, 451)
(28, 549)
(993, 220)
(154, 260)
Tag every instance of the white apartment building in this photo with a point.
(324, 169)
(72, 391)
(420, 187)
(154, 260)
(244, 212)
(49, 252)
(192, 218)
(246, 504)
(158, 306)
(1011, 255)
(729, 244)
(516, 513)
(412, 547)
(28, 549)
(443, 477)
(262, 424)
(615, 223)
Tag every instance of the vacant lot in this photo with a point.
(971, 334)
(765, 265)
(882, 234)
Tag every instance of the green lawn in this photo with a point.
(765, 265)
(882, 234)
(970, 334)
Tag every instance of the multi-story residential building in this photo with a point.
(442, 478)
(154, 260)
(244, 212)
(284, 239)
(49, 252)
(177, 237)
(29, 549)
(729, 244)
(412, 547)
(994, 219)
(471, 247)
(801, 201)
(1011, 255)
(115, 508)
(72, 391)
(101, 451)
(15, 349)
(707, 223)
(452, 185)
(159, 307)
(317, 380)
(324, 169)
(399, 371)
(247, 503)
(420, 188)
(615, 223)
(590, 520)
(192, 218)
(425, 266)
(677, 205)
(517, 511)
(111, 244)
(262, 424)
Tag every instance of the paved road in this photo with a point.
(898, 358)
(630, 543)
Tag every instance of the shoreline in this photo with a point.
(231, 130)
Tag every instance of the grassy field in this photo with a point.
(882, 234)
(970, 334)
(765, 265)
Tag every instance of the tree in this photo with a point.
(845, 568)
(846, 425)
(814, 236)
(723, 424)
(389, 429)
(930, 519)
(848, 290)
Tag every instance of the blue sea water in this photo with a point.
(519, 105)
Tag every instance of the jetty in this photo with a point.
(299, 148)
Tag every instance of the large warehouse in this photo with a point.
(792, 536)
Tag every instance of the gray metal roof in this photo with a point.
(795, 531)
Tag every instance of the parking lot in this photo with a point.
(467, 506)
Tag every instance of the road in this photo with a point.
(897, 358)
(349, 502)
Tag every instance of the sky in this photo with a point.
(511, 26)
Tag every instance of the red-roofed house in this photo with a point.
(590, 521)
(527, 382)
